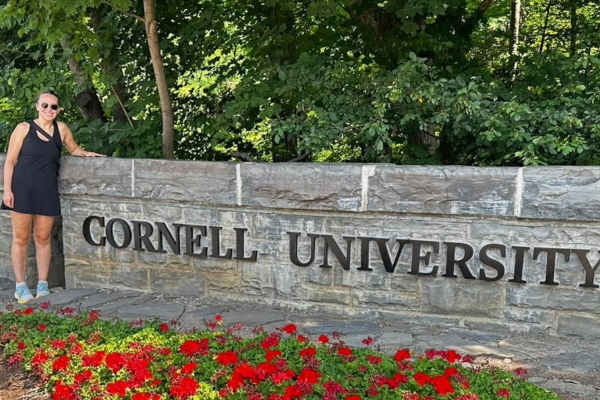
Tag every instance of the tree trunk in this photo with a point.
(87, 100)
(111, 68)
(161, 80)
(573, 30)
(545, 28)
(515, 23)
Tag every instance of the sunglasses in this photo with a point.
(52, 106)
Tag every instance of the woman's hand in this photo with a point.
(79, 152)
(8, 199)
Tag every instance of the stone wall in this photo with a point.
(490, 248)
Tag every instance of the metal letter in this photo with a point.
(451, 260)
(87, 233)
(415, 265)
(487, 260)
(551, 262)
(239, 246)
(294, 248)
(110, 234)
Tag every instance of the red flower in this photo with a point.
(353, 397)
(452, 356)
(40, 327)
(503, 393)
(301, 339)
(61, 363)
(189, 368)
(21, 346)
(93, 360)
(323, 339)
(62, 392)
(83, 376)
(402, 355)
(145, 396)
(118, 388)
(308, 352)
(374, 359)
(442, 385)
(28, 311)
(309, 376)
(422, 378)
(289, 329)
(39, 359)
(450, 372)
(272, 354)
(194, 347)
(368, 341)
(115, 361)
(344, 352)
(164, 327)
(227, 358)
(521, 371)
(59, 344)
(218, 318)
(184, 388)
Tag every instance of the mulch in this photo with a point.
(15, 385)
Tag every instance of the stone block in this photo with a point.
(130, 277)
(320, 294)
(177, 282)
(529, 315)
(504, 232)
(553, 298)
(388, 300)
(404, 283)
(561, 193)
(217, 281)
(586, 326)
(88, 276)
(186, 181)
(462, 297)
(442, 190)
(295, 186)
(96, 176)
(270, 280)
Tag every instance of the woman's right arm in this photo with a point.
(14, 148)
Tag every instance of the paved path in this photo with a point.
(568, 366)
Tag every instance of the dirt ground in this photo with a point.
(14, 385)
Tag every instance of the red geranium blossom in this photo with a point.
(503, 393)
(184, 387)
(308, 375)
(289, 329)
(442, 385)
(323, 339)
(61, 363)
(402, 355)
(227, 358)
(118, 388)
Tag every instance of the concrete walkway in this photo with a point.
(567, 366)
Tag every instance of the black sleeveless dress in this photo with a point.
(35, 177)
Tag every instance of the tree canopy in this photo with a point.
(468, 82)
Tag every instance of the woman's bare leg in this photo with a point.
(42, 232)
(21, 225)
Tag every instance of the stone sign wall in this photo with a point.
(490, 248)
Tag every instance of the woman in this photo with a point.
(31, 188)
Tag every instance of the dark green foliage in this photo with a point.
(403, 81)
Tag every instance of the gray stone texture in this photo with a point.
(185, 181)
(553, 207)
(334, 187)
(442, 190)
(566, 193)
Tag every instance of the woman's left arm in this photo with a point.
(72, 147)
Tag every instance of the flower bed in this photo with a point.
(80, 356)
